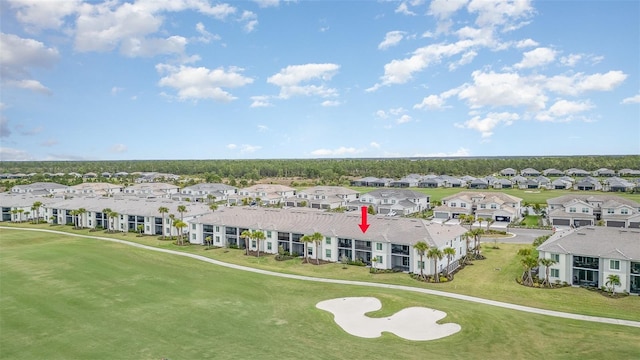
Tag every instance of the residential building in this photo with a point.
(502, 184)
(616, 184)
(323, 197)
(577, 172)
(529, 172)
(389, 240)
(604, 172)
(94, 189)
(206, 192)
(393, 201)
(479, 183)
(628, 172)
(265, 194)
(588, 255)
(17, 207)
(152, 190)
(364, 181)
(508, 172)
(589, 210)
(40, 188)
(552, 172)
(588, 183)
(497, 206)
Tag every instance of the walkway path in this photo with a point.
(358, 283)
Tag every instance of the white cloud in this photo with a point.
(30, 132)
(290, 80)
(571, 59)
(403, 8)
(260, 101)
(106, 26)
(431, 102)
(250, 20)
(118, 148)
(537, 57)
(632, 100)
(563, 110)
(201, 83)
(19, 55)
(374, 145)
(503, 13)
(205, 36)
(336, 152)
(267, 3)
(502, 89)
(403, 119)
(486, 125)
(115, 90)
(49, 143)
(466, 58)
(330, 103)
(263, 128)
(445, 8)
(578, 83)
(41, 15)
(232, 146)
(33, 85)
(10, 154)
(461, 152)
(526, 43)
(392, 38)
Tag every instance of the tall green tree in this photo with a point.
(317, 238)
(247, 235)
(259, 237)
(421, 248)
(182, 209)
(306, 239)
(113, 216)
(105, 218)
(180, 225)
(163, 210)
(435, 254)
(36, 206)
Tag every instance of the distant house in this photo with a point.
(405, 182)
(577, 172)
(508, 172)
(552, 172)
(268, 194)
(517, 180)
(206, 192)
(582, 258)
(616, 184)
(152, 190)
(561, 184)
(528, 172)
(323, 197)
(628, 172)
(502, 184)
(39, 188)
(398, 201)
(382, 182)
(586, 210)
(494, 205)
(588, 184)
(94, 189)
(604, 172)
(431, 183)
(364, 181)
(479, 184)
(529, 184)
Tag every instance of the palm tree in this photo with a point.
(613, 280)
(14, 212)
(528, 262)
(36, 206)
(489, 222)
(213, 207)
(476, 234)
(435, 254)
(113, 216)
(182, 209)
(246, 235)
(306, 240)
(421, 247)
(163, 210)
(546, 262)
(449, 252)
(105, 217)
(259, 236)
(20, 211)
(211, 198)
(80, 213)
(172, 219)
(74, 215)
(27, 213)
(179, 225)
(317, 238)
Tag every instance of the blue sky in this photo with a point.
(198, 79)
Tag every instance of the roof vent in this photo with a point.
(581, 233)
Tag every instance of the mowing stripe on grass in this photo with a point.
(501, 304)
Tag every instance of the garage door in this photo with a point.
(315, 206)
(290, 204)
(635, 225)
(618, 224)
(561, 222)
(582, 223)
(503, 218)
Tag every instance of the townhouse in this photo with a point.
(18, 207)
(389, 240)
(323, 197)
(497, 206)
(265, 194)
(588, 210)
(40, 188)
(393, 201)
(152, 190)
(129, 213)
(588, 255)
(206, 192)
(94, 189)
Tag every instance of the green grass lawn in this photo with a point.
(537, 196)
(72, 298)
(531, 220)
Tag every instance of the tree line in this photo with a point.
(329, 169)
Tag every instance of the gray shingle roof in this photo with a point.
(596, 241)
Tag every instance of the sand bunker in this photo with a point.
(414, 323)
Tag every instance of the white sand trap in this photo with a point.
(414, 323)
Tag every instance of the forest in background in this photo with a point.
(327, 169)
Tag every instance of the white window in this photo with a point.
(268, 234)
(193, 226)
(420, 264)
(555, 273)
(193, 236)
(309, 250)
(269, 246)
(555, 257)
(327, 240)
(327, 253)
(453, 204)
(483, 206)
(379, 259)
(379, 246)
(572, 210)
(614, 264)
(494, 206)
(464, 205)
(624, 211)
(610, 211)
(585, 210)
(217, 228)
(217, 239)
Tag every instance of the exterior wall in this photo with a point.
(623, 273)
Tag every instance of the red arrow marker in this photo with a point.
(364, 226)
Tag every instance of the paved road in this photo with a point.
(522, 236)
(358, 283)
